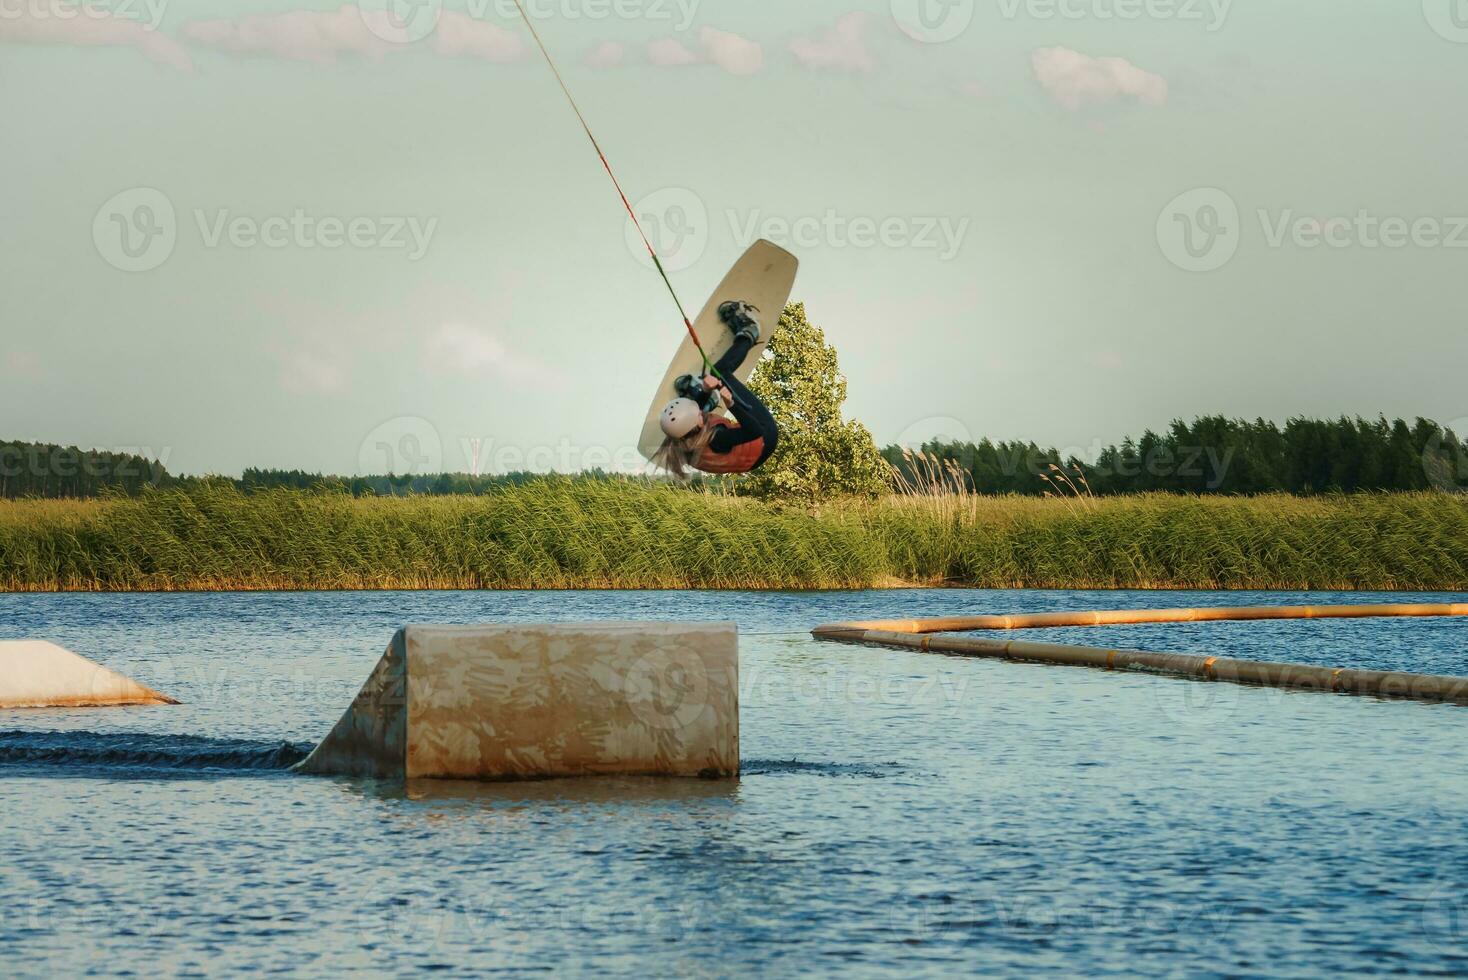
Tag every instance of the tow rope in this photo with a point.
(656, 261)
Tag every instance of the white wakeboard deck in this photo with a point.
(764, 277)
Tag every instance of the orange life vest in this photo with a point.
(741, 459)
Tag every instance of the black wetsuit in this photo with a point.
(755, 421)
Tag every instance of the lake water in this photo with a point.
(900, 813)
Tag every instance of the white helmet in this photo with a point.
(680, 418)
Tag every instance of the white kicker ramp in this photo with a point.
(37, 674)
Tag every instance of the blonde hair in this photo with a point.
(677, 456)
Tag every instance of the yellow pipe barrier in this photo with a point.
(919, 634)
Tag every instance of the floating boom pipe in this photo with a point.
(920, 634)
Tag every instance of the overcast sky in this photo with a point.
(312, 235)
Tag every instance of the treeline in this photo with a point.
(29, 469)
(435, 485)
(1212, 455)
(42, 470)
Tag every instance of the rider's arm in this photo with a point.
(730, 437)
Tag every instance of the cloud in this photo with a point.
(736, 55)
(307, 370)
(320, 37)
(667, 52)
(460, 35)
(20, 360)
(1075, 80)
(842, 48)
(459, 348)
(87, 27)
(317, 37)
(608, 54)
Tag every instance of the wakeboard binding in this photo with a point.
(691, 386)
(739, 317)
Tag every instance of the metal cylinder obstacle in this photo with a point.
(933, 635)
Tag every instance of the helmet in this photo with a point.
(680, 418)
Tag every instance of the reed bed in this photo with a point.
(563, 534)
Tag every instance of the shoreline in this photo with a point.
(565, 536)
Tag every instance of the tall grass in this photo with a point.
(563, 534)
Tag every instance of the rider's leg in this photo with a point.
(734, 357)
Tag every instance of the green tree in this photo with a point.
(820, 455)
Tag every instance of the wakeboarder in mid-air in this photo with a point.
(698, 439)
(691, 432)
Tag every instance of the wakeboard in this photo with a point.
(764, 277)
